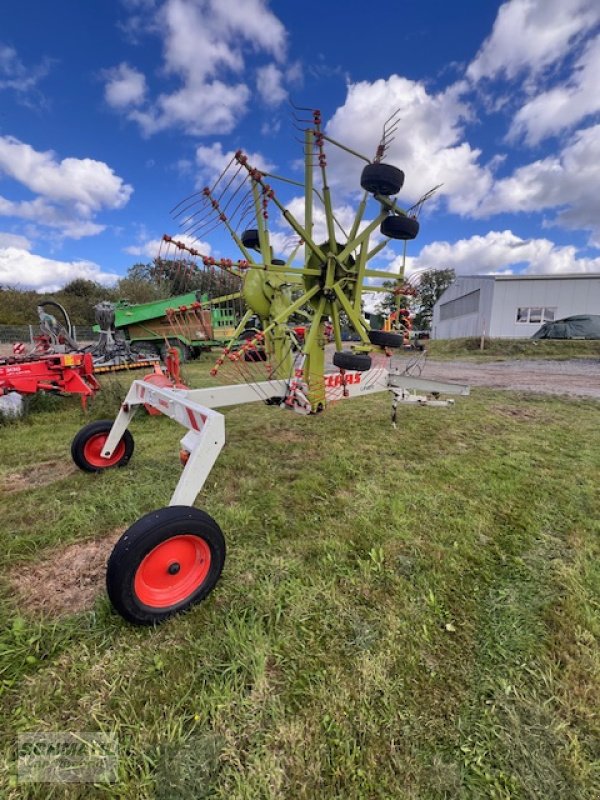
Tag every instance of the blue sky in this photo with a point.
(111, 111)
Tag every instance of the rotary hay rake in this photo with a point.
(172, 558)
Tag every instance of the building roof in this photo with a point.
(542, 277)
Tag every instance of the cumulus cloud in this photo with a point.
(563, 105)
(269, 82)
(567, 182)
(156, 248)
(125, 86)
(429, 145)
(212, 160)
(204, 47)
(69, 192)
(14, 240)
(502, 251)
(24, 270)
(531, 35)
(14, 75)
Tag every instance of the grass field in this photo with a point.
(501, 349)
(403, 614)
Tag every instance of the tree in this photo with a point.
(432, 284)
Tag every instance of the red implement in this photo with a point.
(71, 373)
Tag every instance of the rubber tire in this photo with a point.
(386, 339)
(142, 537)
(353, 362)
(382, 179)
(93, 429)
(399, 226)
(250, 239)
(185, 352)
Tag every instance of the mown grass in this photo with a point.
(403, 614)
(501, 349)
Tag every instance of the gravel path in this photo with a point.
(577, 378)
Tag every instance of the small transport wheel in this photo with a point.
(386, 339)
(86, 447)
(382, 179)
(250, 239)
(164, 563)
(399, 226)
(354, 362)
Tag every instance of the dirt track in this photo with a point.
(576, 378)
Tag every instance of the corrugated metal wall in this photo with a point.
(456, 314)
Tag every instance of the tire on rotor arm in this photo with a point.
(382, 179)
(87, 446)
(352, 362)
(250, 239)
(399, 226)
(166, 562)
(386, 339)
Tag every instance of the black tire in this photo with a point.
(354, 362)
(86, 446)
(185, 352)
(382, 179)
(278, 262)
(386, 339)
(250, 239)
(399, 226)
(125, 576)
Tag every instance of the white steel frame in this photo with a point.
(205, 437)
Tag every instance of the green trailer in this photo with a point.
(191, 322)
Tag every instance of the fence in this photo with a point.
(25, 333)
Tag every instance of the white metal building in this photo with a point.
(512, 306)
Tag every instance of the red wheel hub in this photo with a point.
(92, 451)
(172, 571)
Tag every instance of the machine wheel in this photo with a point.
(164, 563)
(399, 226)
(185, 352)
(386, 339)
(250, 239)
(354, 362)
(382, 179)
(86, 447)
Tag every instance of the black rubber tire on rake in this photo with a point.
(386, 339)
(353, 362)
(250, 239)
(382, 179)
(148, 593)
(399, 226)
(88, 442)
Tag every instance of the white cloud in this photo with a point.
(155, 248)
(69, 192)
(14, 240)
(531, 35)
(89, 185)
(211, 161)
(428, 146)
(125, 86)
(269, 82)
(24, 270)
(564, 105)
(15, 75)
(567, 182)
(502, 251)
(204, 46)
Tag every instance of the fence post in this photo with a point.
(31, 334)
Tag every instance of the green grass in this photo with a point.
(501, 349)
(403, 614)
